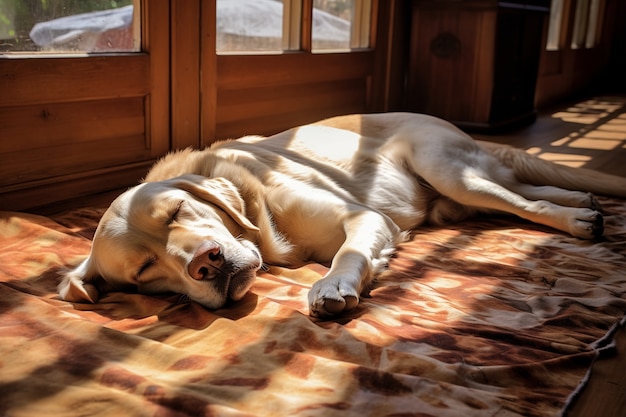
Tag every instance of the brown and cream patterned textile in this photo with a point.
(494, 317)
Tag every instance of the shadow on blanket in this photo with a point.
(491, 317)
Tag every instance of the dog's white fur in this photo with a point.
(342, 192)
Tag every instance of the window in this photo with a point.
(586, 28)
(580, 24)
(554, 28)
(587, 23)
(332, 21)
(250, 25)
(69, 26)
(596, 12)
(340, 24)
(276, 25)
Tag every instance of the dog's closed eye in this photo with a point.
(173, 217)
(145, 266)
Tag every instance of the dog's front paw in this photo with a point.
(332, 296)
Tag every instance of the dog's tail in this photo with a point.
(533, 170)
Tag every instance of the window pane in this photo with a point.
(332, 24)
(581, 20)
(249, 25)
(595, 23)
(554, 28)
(68, 26)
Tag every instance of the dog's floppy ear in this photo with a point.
(78, 284)
(220, 192)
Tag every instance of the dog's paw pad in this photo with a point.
(328, 307)
(327, 299)
(339, 306)
(589, 226)
(597, 227)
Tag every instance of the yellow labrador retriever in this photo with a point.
(341, 192)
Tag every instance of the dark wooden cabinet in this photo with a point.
(475, 63)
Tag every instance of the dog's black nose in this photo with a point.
(208, 262)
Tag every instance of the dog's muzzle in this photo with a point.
(231, 268)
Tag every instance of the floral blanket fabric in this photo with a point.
(493, 317)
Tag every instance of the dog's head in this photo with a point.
(186, 235)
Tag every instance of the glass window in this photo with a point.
(275, 25)
(587, 23)
(554, 28)
(581, 21)
(69, 26)
(332, 24)
(249, 25)
(596, 12)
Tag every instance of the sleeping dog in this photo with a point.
(341, 192)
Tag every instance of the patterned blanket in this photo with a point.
(493, 317)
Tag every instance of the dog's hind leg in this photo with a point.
(555, 195)
(473, 188)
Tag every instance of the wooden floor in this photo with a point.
(592, 134)
(587, 133)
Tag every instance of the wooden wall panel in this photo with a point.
(47, 80)
(264, 94)
(240, 71)
(47, 193)
(69, 124)
(58, 160)
(268, 110)
(65, 136)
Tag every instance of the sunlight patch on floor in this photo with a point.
(595, 143)
(567, 159)
(580, 118)
(603, 130)
(589, 111)
(606, 134)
